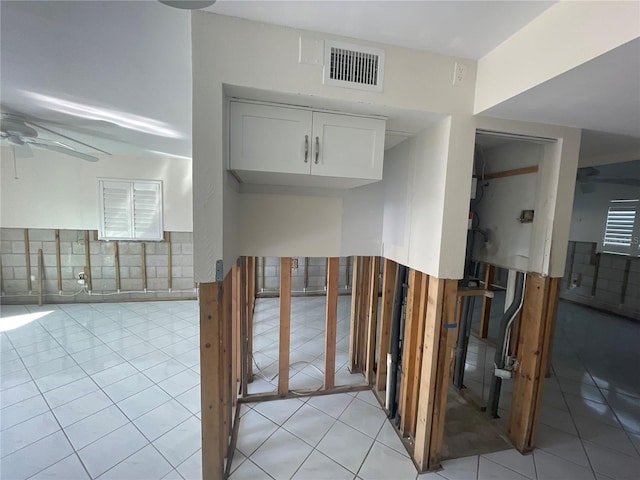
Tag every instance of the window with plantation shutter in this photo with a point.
(130, 210)
(619, 229)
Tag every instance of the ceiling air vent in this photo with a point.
(353, 66)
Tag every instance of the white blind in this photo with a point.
(618, 233)
(130, 210)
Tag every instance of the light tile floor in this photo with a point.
(111, 391)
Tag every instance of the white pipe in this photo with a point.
(387, 399)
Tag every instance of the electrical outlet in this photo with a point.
(294, 263)
(459, 74)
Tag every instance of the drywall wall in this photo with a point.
(590, 208)
(415, 189)
(543, 49)
(289, 225)
(501, 201)
(265, 59)
(362, 220)
(53, 190)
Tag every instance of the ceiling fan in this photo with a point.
(587, 178)
(22, 134)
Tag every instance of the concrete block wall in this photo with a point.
(15, 287)
(583, 272)
(317, 273)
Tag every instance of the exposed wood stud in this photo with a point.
(305, 284)
(372, 323)
(596, 272)
(40, 285)
(211, 391)
(510, 173)
(353, 325)
(1, 278)
(285, 326)
(326, 271)
(245, 355)
(625, 281)
(363, 314)
(388, 283)
(167, 237)
(116, 261)
(143, 264)
(435, 372)
(227, 359)
(485, 316)
(95, 235)
(58, 263)
(572, 256)
(347, 271)
(534, 343)
(248, 305)
(27, 258)
(409, 351)
(331, 319)
(235, 328)
(87, 260)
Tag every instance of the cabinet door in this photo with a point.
(347, 146)
(269, 139)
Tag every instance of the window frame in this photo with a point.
(631, 249)
(134, 236)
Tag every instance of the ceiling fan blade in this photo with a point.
(38, 125)
(22, 151)
(65, 151)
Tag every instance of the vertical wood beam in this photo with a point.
(353, 324)
(235, 330)
(1, 277)
(40, 284)
(331, 320)
(436, 366)
(213, 444)
(409, 350)
(572, 257)
(347, 271)
(58, 264)
(87, 260)
(116, 261)
(246, 357)
(534, 343)
(248, 305)
(27, 258)
(169, 261)
(363, 314)
(596, 272)
(285, 326)
(226, 363)
(143, 264)
(625, 281)
(388, 285)
(485, 316)
(372, 324)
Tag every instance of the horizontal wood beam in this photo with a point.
(511, 173)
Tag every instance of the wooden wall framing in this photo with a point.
(533, 347)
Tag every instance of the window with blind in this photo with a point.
(619, 236)
(130, 210)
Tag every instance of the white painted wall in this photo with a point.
(231, 53)
(545, 48)
(57, 191)
(502, 201)
(554, 198)
(424, 217)
(590, 210)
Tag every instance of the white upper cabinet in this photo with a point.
(294, 146)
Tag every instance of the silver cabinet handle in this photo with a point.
(306, 149)
(317, 149)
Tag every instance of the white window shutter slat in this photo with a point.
(619, 228)
(130, 210)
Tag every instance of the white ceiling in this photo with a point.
(117, 74)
